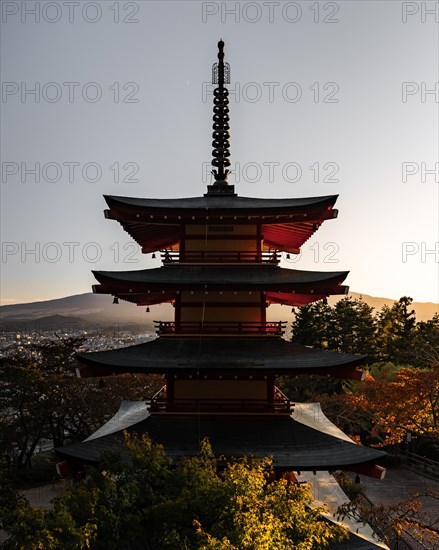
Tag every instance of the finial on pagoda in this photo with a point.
(220, 143)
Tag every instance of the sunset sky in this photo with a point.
(326, 98)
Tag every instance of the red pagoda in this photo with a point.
(220, 356)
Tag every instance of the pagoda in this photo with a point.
(220, 356)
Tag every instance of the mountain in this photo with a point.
(86, 311)
(90, 309)
(424, 310)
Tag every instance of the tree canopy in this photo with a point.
(352, 326)
(139, 499)
(42, 399)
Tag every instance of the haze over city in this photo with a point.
(325, 98)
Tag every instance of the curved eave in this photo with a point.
(214, 356)
(217, 204)
(247, 278)
(286, 224)
(293, 299)
(281, 286)
(291, 444)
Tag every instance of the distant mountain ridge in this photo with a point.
(92, 308)
(82, 311)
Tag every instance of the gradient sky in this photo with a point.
(349, 60)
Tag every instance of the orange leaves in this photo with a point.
(408, 404)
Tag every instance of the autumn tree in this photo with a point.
(392, 408)
(404, 522)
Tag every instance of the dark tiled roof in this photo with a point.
(240, 354)
(247, 276)
(221, 203)
(291, 444)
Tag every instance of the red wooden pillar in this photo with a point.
(270, 388)
(169, 391)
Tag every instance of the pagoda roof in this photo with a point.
(212, 355)
(149, 286)
(222, 203)
(239, 276)
(291, 443)
(285, 223)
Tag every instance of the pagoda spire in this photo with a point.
(220, 143)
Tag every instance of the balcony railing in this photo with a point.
(247, 328)
(280, 404)
(228, 257)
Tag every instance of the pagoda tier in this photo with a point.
(305, 440)
(217, 358)
(213, 284)
(282, 224)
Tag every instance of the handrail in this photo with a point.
(276, 328)
(222, 405)
(212, 256)
(280, 404)
(422, 464)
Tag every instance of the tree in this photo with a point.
(34, 528)
(21, 389)
(424, 348)
(404, 521)
(353, 329)
(311, 324)
(266, 516)
(348, 327)
(41, 398)
(139, 498)
(409, 403)
(396, 328)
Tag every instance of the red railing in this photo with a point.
(227, 257)
(247, 328)
(280, 404)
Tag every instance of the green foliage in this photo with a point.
(311, 325)
(140, 499)
(396, 330)
(36, 529)
(391, 335)
(384, 371)
(348, 327)
(42, 471)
